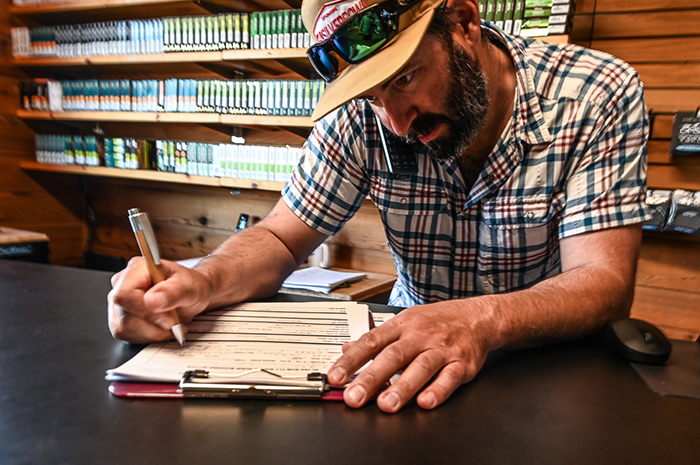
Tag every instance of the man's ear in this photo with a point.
(465, 13)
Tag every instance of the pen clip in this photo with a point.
(141, 224)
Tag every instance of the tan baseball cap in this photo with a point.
(322, 17)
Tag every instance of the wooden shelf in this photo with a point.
(166, 57)
(150, 175)
(81, 5)
(557, 39)
(151, 117)
(68, 6)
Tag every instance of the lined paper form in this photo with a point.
(287, 338)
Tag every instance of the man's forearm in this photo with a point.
(566, 306)
(251, 264)
(596, 286)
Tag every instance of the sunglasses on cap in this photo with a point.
(358, 38)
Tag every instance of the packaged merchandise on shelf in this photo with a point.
(129, 153)
(21, 45)
(250, 162)
(222, 31)
(529, 18)
(34, 94)
(546, 17)
(260, 163)
(685, 136)
(658, 201)
(684, 212)
(67, 150)
(278, 29)
(236, 97)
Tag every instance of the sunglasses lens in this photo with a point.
(325, 64)
(361, 36)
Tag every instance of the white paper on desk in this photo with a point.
(320, 279)
(287, 338)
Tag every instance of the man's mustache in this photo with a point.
(425, 124)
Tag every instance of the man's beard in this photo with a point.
(468, 102)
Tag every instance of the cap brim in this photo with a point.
(357, 79)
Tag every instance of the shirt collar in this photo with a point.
(530, 125)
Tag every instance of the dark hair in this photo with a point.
(442, 25)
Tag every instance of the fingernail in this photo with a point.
(356, 394)
(391, 400)
(429, 400)
(164, 323)
(336, 375)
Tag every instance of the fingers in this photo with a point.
(138, 312)
(356, 354)
(129, 327)
(434, 360)
(447, 381)
(429, 365)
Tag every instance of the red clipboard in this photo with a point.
(151, 390)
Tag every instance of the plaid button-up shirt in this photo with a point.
(571, 160)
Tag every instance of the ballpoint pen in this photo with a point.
(149, 249)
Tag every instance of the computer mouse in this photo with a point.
(638, 341)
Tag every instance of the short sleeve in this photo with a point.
(330, 184)
(607, 187)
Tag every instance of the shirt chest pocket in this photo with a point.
(518, 243)
(406, 198)
(414, 217)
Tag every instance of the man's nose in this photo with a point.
(398, 116)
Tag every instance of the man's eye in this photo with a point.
(405, 79)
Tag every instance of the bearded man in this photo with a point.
(520, 225)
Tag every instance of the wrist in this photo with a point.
(495, 325)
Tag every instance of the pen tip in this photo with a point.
(179, 334)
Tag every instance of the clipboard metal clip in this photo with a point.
(256, 384)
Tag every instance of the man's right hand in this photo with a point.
(139, 312)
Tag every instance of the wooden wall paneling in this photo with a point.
(670, 260)
(658, 152)
(620, 6)
(45, 204)
(647, 24)
(672, 100)
(585, 7)
(675, 312)
(196, 217)
(662, 126)
(362, 245)
(674, 177)
(652, 50)
(191, 221)
(26, 203)
(681, 74)
(661, 39)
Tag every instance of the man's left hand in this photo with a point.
(440, 345)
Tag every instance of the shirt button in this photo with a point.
(404, 201)
(529, 215)
(492, 177)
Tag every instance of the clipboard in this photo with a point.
(254, 384)
(155, 373)
(201, 383)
